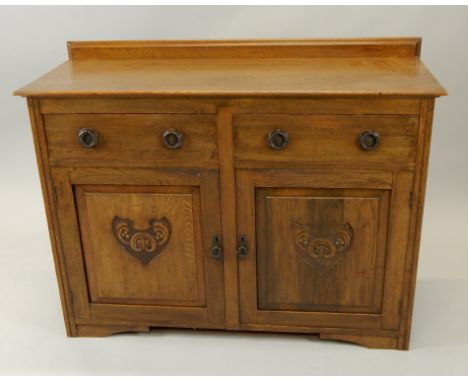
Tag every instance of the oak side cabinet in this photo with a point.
(239, 185)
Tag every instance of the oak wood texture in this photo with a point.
(373, 342)
(299, 48)
(181, 284)
(325, 138)
(132, 139)
(228, 206)
(268, 69)
(279, 105)
(298, 281)
(106, 330)
(51, 214)
(332, 231)
(175, 277)
(300, 266)
(419, 189)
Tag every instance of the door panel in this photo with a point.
(146, 245)
(320, 249)
(142, 244)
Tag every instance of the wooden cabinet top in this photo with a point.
(296, 68)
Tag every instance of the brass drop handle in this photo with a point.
(278, 139)
(173, 139)
(242, 248)
(216, 248)
(369, 140)
(88, 138)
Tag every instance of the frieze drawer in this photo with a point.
(131, 139)
(330, 139)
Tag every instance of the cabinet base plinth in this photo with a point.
(365, 340)
(107, 330)
(373, 342)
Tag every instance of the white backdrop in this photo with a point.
(31, 330)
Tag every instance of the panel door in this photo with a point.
(146, 239)
(320, 248)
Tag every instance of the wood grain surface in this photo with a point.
(331, 231)
(268, 68)
(325, 138)
(290, 275)
(268, 77)
(286, 48)
(132, 139)
(175, 277)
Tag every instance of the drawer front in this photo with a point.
(325, 139)
(132, 139)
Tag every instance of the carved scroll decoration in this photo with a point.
(322, 252)
(145, 245)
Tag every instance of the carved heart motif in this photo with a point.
(145, 245)
(323, 251)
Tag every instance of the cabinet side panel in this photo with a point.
(419, 188)
(40, 145)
